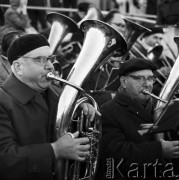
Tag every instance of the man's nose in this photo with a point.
(147, 82)
(49, 65)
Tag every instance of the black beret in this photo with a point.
(25, 44)
(135, 64)
(153, 31)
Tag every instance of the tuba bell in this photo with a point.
(101, 41)
(132, 33)
(61, 25)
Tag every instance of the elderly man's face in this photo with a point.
(35, 66)
(136, 82)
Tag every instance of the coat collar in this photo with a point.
(134, 107)
(17, 89)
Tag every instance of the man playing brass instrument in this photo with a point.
(127, 152)
(28, 105)
(164, 64)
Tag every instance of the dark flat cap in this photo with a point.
(25, 44)
(135, 64)
(154, 30)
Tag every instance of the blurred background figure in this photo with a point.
(114, 19)
(69, 3)
(82, 9)
(5, 67)
(122, 5)
(37, 17)
(16, 18)
(151, 46)
(1, 17)
(167, 12)
(56, 3)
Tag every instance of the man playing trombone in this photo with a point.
(28, 145)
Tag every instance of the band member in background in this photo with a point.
(127, 150)
(114, 19)
(164, 64)
(152, 39)
(28, 145)
(5, 67)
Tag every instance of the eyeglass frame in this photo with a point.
(142, 79)
(43, 62)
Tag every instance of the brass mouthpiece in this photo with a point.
(145, 91)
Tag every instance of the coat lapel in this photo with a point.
(41, 102)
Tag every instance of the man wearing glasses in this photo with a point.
(28, 105)
(126, 151)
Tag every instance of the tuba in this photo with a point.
(101, 41)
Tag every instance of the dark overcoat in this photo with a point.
(27, 127)
(125, 152)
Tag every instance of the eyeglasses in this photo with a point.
(43, 60)
(142, 79)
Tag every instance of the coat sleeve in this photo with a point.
(33, 161)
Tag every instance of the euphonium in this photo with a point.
(101, 41)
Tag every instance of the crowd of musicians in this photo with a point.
(127, 89)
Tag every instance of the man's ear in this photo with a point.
(17, 67)
(123, 81)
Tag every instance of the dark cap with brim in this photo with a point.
(25, 44)
(136, 64)
(154, 30)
